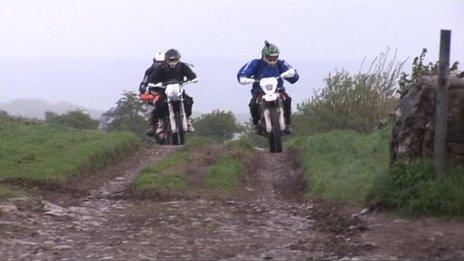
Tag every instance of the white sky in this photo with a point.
(337, 32)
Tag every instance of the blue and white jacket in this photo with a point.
(258, 69)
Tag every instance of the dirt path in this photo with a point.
(270, 219)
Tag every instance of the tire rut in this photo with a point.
(271, 220)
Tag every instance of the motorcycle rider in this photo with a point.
(157, 61)
(172, 69)
(268, 66)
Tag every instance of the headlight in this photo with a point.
(269, 87)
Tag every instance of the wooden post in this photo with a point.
(439, 150)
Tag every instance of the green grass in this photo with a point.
(46, 153)
(354, 168)
(163, 175)
(341, 165)
(226, 173)
(169, 175)
(414, 190)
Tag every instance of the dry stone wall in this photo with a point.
(413, 129)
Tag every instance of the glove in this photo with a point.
(142, 89)
(245, 80)
(288, 73)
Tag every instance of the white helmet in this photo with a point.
(159, 57)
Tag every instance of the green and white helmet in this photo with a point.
(270, 53)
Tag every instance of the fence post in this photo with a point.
(439, 150)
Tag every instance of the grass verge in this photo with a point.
(354, 168)
(31, 152)
(341, 165)
(414, 190)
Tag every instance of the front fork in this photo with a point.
(172, 118)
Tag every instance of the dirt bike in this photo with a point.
(271, 113)
(175, 119)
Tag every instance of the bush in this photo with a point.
(77, 119)
(219, 125)
(352, 101)
(418, 70)
(414, 190)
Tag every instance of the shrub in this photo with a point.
(352, 101)
(418, 70)
(414, 190)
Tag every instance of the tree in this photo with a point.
(77, 119)
(220, 125)
(130, 114)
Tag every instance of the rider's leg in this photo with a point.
(287, 112)
(160, 112)
(254, 109)
(152, 121)
(188, 104)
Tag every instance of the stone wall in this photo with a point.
(413, 129)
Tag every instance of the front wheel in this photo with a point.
(275, 143)
(178, 138)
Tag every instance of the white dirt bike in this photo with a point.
(176, 119)
(271, 113)
(271, 109)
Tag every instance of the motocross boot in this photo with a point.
(151, 133)
(161, 126)
(288, 129)
(190, 127)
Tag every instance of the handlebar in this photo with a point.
(163, 85)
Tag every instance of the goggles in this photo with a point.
(272, 58)
(172, 61)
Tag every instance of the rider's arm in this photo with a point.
(189, 73)
(144, 83)
(155, 76)
(246, 73)
(290, 74)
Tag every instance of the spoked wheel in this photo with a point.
(179, 137)
(275, 143)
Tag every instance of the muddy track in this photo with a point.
(270, 219)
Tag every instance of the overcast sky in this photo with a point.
(46, 34)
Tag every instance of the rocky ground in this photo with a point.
(269, 218)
